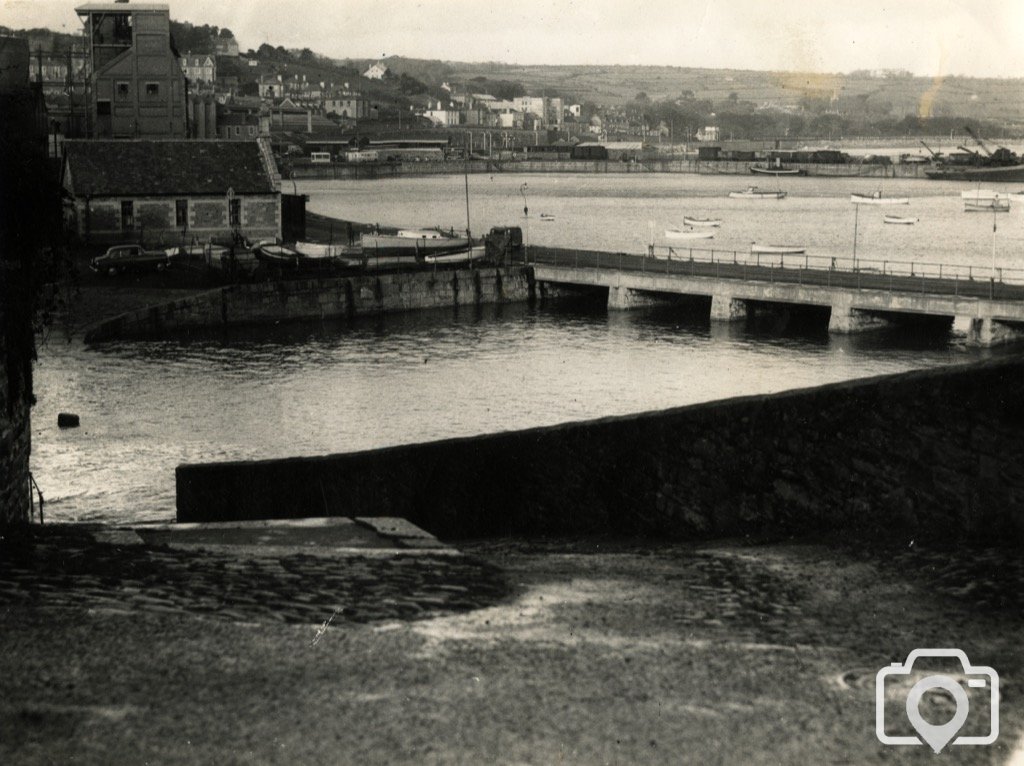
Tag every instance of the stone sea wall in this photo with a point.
(929, 454)
(15, 440)
(315, 299)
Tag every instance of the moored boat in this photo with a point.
(899, 220)
(474, 253)
(878, 199)
(993, 205)
(688, 221)
(280, 256)
(343, 255)
(752, 192)
(980, 194)
(379, 245)
(992, 173)
(777, 170)
(758, 249)
(681, 234)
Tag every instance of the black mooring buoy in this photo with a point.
(67, 420)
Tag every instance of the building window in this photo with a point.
(152, 90)
(127, 215)
(237, 130)
(103, 108)
(235, 212)
(252, 131)
(123, 91)
(181, 212)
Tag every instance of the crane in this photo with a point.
(977, 140)
(933, 154)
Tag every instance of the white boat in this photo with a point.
(752, 192)
(687, 221)
(878, 199)
(680, 234)
(546, 217)
(757, 249)
(422, 234)
(1016, 196)
(980, 194)
(474, 253)
(345, 255)
(375, 245)
(993, 205)
(899, 219)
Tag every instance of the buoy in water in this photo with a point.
(67, 420)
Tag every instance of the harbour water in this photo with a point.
(313, 389)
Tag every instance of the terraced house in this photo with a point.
(164, 192)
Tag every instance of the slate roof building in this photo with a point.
(168, 192)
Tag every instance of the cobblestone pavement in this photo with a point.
(64, 566)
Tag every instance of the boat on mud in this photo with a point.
(752, 192)
(878, 199)
(682, 234)
(897, 219)
(758, 249)
(992, 205)
(688, 221)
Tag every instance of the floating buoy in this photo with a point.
(67, 420)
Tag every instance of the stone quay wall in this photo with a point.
(15, 439)
(927, 454)
(317, 299)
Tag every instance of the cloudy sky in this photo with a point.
(983, 38)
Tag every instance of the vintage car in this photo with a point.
(123, 258)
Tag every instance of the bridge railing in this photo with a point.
(862, 273)
(886, 267)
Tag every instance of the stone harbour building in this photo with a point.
(167, 192)
(138, 87)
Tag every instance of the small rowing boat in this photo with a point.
(993, 205)
(757, 249)
(878, 199)
(752, 192)
(899, 219)
(680, 234)
(687, 221)
(546, 217)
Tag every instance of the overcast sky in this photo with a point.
(982, 38)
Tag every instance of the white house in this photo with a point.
(199, 67)
(377, 71)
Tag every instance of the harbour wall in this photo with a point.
(320, 299)
(925, 455)
(15, 434)
(694, 167)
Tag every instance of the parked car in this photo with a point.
(123, 258)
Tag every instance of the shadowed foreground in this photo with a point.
(557, 652)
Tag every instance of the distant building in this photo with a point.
(348, 105)
(271, 86)
(138, 88)
(163, 193)
(226, 46)
(376, 71)
(199, 68)
(59, 73)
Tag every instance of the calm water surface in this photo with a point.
(313, 389)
